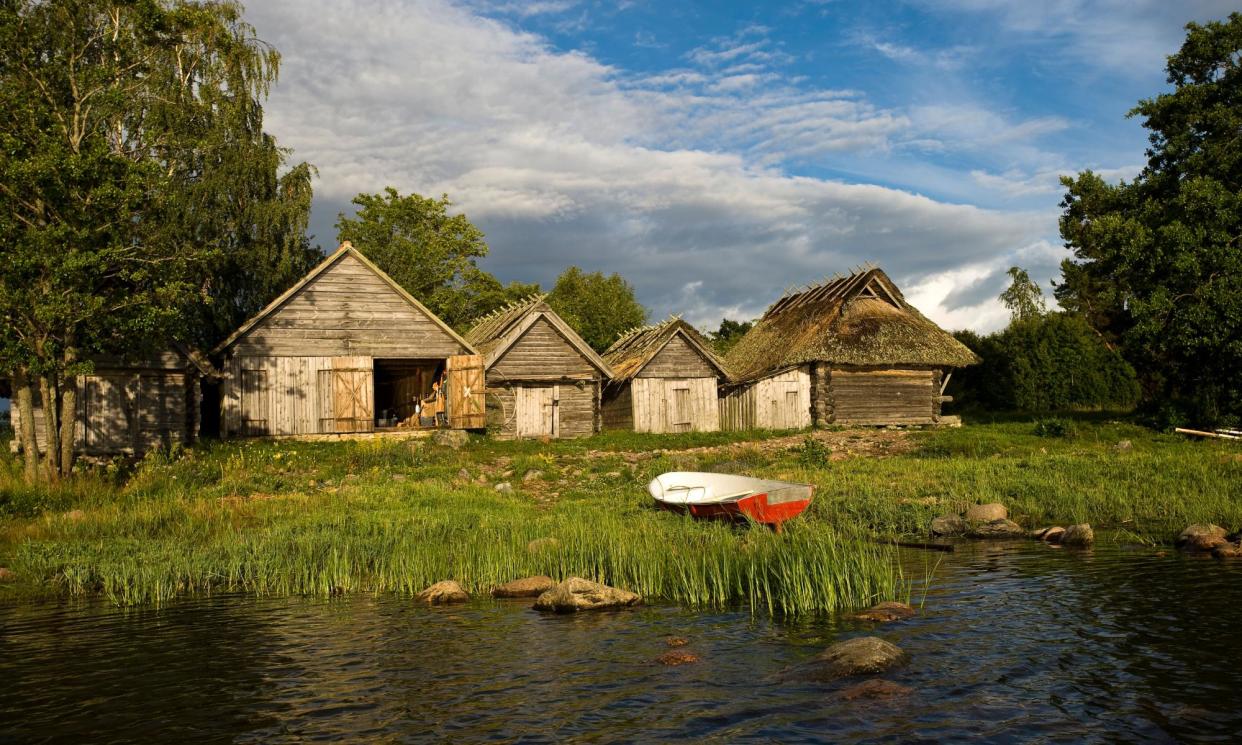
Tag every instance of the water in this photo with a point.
(1017, 642)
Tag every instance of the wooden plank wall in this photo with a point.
(347, 310)
(781, 401)
(880, 397)
(575, 410)
(675, 405)
(278, 395)
(542, 354)
(127, 412)
(618, 407)
(677, 360)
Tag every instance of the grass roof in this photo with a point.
(860, 319)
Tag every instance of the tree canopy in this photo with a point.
(729, 333)
(1157, 262)
(598, 307)
(137, 189)
(1023, 297)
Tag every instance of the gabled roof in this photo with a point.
(345, 249)
(494, 333)
(859, 319)
(638, 346)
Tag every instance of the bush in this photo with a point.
(1053, 428)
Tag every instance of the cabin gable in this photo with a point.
(677, 359)
(542, 352)
(348, 308)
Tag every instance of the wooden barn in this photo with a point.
(665, 379)
(848, 351)
(345, 350)
(543, 380)
(131, 406)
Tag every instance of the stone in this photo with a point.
(1223, 551)
(1078, 535)
(1123, 446)
(876, 688)
(527, 587)
(7, 575)
(858, 656)
(677, 657)
(577, 594)
(986, 513)
(75, 516)
(676, 641)
(447, 591)
(504, 487)
(542, 544)
(531, 476)
(1200, 537)
(449, 438)
(996, 529)
(463, 474)
(885, 612)
(1051, 535)
(948, 525)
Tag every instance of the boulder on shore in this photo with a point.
(527, 587)
(859, 656)
(986, 513)
(996, 529)
(948, 525)
(577, 594)
(885, 612)
(444, 592)
(450, 438)
(1078, 535)
(1200, 537)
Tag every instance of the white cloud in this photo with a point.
(673, 179)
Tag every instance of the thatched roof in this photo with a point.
(494, 333)
(630, 354)
(860, 319)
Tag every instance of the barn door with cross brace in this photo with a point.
(353, 394)
(465, 392)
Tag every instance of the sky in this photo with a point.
(717, 154)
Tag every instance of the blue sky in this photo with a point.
(718, 153)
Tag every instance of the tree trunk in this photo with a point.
(26, 425)
(51, 411)
(68, 425)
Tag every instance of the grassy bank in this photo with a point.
(387, 516)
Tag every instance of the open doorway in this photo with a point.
(408, 393)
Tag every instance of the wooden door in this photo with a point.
(353, 394)
(680, 407)
(108, 414)
(537, 410)
(465, 392)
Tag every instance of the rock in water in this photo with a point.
(1078, 535)
(1049, 535)
(876, 688)
(444, 592)
(948, 525)
(449, 438)
(1228, 550)
(676, 641)
(986, 513)
(576, 594)
(677, 657)
(858, 656)
(884, 612)
(997, 529)
(1200, 537)
(527, 587)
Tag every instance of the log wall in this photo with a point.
(882, 397)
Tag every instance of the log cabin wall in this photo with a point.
(883, 396)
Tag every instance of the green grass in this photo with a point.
(383, 516)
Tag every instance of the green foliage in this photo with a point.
(1053, 362)
(1053, 427)
(429, 252)
(812, 452)
(1023, 297)
(1157, 262)
(729, 334)
(598, 307)
(137, 187)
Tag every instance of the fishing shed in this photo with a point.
(850, 350)
(347, 350)
(543, 379)
(130, 406)
(665, 379)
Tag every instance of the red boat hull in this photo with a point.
(752, 507)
